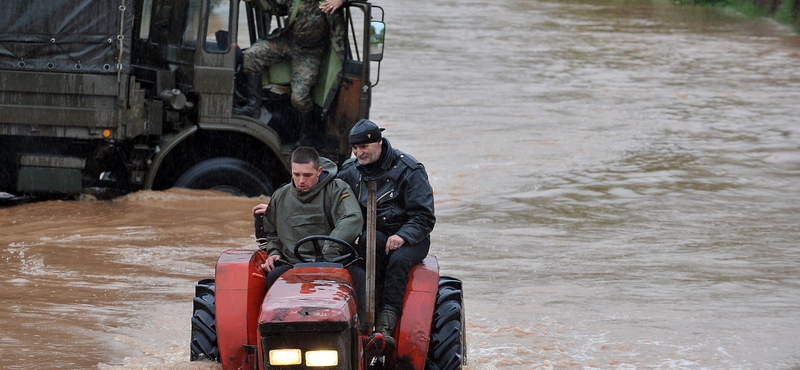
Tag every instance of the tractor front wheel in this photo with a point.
(448, 345)
(204, 326)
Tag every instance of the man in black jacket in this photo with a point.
(404, 218)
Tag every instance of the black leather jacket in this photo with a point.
(405, 197)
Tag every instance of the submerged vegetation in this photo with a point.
(783, 11)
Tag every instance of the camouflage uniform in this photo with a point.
(303, 43)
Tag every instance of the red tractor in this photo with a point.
(308, 319)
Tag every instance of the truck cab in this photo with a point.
(109, 97)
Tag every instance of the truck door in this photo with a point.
(164, 47)
(215, 59)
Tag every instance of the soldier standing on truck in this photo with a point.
(303, 43)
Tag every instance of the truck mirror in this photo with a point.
(377, 32)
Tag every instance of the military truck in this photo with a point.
(106, 97)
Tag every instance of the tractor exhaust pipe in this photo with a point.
(372, 206)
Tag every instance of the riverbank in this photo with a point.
(782, 11)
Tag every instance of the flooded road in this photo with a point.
(616, 182)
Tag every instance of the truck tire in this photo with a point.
(231, 175)
(204, 327)
(448, 345)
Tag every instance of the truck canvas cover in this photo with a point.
(75, 36)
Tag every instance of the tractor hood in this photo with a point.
(309, 294)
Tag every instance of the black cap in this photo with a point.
(364, 132)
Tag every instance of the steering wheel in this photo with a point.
(320, 257)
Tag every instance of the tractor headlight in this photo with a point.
(313, 345)
(322, 358)
(283, 357)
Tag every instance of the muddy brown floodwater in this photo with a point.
(616, 182)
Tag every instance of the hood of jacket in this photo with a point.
(329, 171)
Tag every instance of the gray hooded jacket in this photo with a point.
(329, 208)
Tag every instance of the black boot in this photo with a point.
(381, 342)
(307, 127)
(254, 97)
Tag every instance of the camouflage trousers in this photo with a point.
(305, 64)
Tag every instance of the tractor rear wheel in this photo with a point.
(448, 345)
(204, 326)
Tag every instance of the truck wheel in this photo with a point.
(231, 175)
(448, 345)
(204, 327)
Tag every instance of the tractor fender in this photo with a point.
(413, 330)
(240, 288)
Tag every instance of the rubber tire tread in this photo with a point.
(228, 171)
(204, 344)
(447, 348)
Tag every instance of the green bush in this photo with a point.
(703, 2)
(754, 8)
(784, 12)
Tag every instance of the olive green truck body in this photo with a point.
(107, 97)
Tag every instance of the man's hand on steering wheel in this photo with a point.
(319, 254)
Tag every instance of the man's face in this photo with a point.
(305, 176)
(367, 153)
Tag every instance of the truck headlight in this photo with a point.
(283, 357)
(322, 358)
